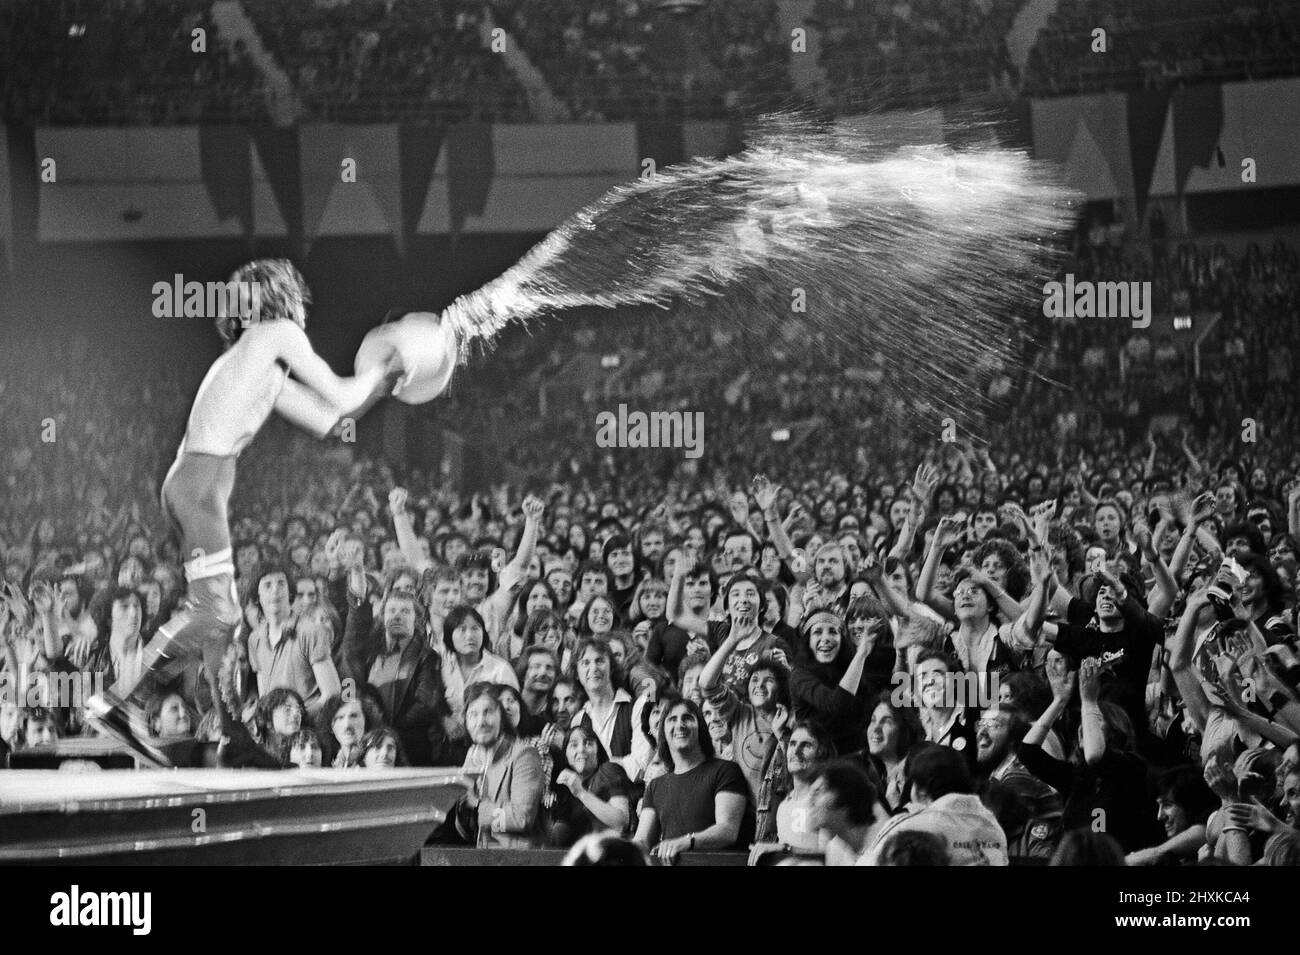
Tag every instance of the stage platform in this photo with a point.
(222, 817)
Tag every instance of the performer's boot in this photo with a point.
(203, 625)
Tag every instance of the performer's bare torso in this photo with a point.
(238, 394)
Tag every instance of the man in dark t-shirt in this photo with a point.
(1118, 623)
(703, 802)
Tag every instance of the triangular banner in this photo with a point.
(417, 154)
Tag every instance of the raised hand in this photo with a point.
(1042, 515)
(871, 567)
(1220, 779)
(79, 648)
(924, 482)
(533, 507)
(334, 545)
(1040, 565)
(765, 492)
(42, 598)
(1141, 534)
(1089, 679)
(397, 501)
(1203, 508)
(1060, 677)
(739, 506)
(813, 597)
(948, 531)
(780, 719)
(1015, 514)
(1256, 816)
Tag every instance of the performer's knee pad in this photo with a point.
(216, 598)
(226, 606)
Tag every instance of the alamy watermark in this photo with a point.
(655, 429)
(946, 690)
(49, 689)
(1087, 299)
(182, 299)
(133, 910)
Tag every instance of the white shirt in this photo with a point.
(490, 669)
(605, 728)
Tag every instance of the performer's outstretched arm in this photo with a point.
(306, 409)
(346, 396)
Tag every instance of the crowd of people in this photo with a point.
(71, 62)
(1162, 45)
(1074, 644)
(129, 61)
(388, 60)
(626, 59)
(917, 52)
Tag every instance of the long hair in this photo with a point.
(1274, 591)
(602, 757)
(705, 743)
(1017, 570)
(535, 650)
(602, 648)
(281, 292)
(521, 602)
(539, 619)
(806, 659)
(264, 719)
(584, 622)
(454, 619)
(635, 614)
(826, 750)
(375, 738)
(910, 730)
(491, 691)
(779, 673)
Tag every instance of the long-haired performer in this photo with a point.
(265, 345)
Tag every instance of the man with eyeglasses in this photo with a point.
(1028, 808)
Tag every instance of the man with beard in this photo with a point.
(475, 578)
(829, 589)
(537, 671)
(741, 549)
(1028, 809)
(567, 700)
(405, 670)
(650, 543)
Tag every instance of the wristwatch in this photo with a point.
(692, 837)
